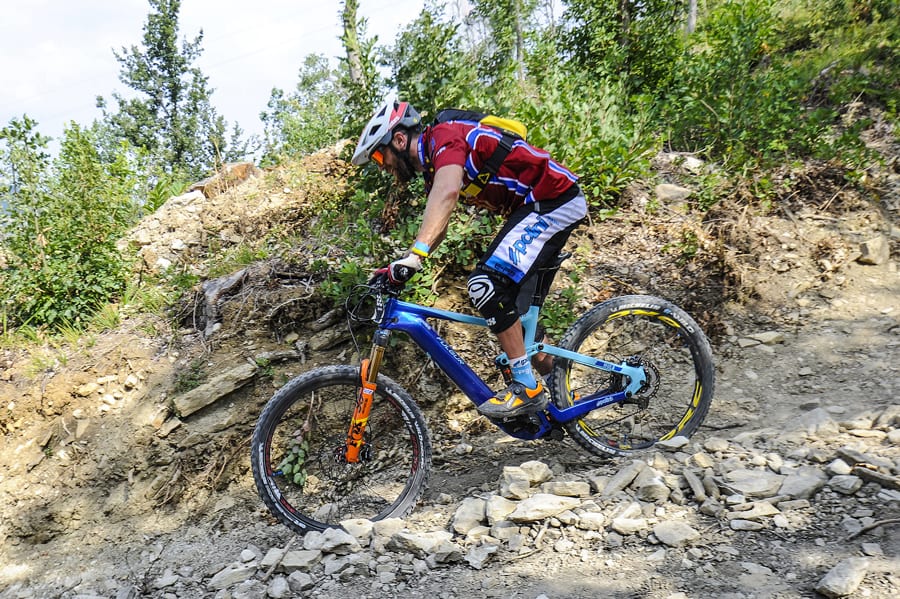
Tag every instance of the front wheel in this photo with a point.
(675, 355)
(297, 452)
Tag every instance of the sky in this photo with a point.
(57, 55)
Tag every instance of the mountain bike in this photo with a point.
(346, 441)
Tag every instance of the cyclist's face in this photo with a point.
(389, 159)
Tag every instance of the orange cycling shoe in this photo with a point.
(515, 400)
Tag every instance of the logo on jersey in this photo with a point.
(481, 290)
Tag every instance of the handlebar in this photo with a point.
(365, 303)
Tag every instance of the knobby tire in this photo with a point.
(297, 452)
(675, 353)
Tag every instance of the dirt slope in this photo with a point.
(108, 491)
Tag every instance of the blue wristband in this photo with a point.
(420, 248)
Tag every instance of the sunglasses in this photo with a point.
(378, 157)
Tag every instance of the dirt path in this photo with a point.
(106, 494)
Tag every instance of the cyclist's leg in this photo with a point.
(529, 239)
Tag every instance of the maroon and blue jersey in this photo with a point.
(527, 174)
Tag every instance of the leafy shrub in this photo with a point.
(309, 118)
(61, 228)
(584, 124)
(732, 102)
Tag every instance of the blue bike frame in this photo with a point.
(397, 315)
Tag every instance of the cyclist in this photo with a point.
(539, 198)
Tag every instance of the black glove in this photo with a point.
(400, 271)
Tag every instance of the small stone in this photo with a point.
(844, 578)
(757, 511)
(231, 575)
(846, 484)
(469, 514)
(360, 529)
(673, 444)
(667, 192)
(803, 484)
(302, 560)
(768, 337)
(166, 580)
(567, 488)
(875, 251)
(477, 556)
(300, 581)
(754, 483)
(591, 521)
(839, 466)
(746, 525)
(872, 549)
(87, 389)
(278, 588)
(542, 506)
(623, 477)
(515, 483)
(628, 526)
(674, 533)
(537, 472)
(715, 444)
(497, 509)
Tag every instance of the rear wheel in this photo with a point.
(675, 355)
(297, 452)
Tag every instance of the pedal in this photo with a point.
(529, 422)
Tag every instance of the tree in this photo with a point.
(504, 39)
(360, 79)
(636, 41)
(172, 116)
(429, 66)
(309, 118)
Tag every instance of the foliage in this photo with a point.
(765, 81)
(593, 132)
(309, 118)
(61, 227)
(635, 41)
(731, 101)
(558, 312)
(167, 185)
(191, 377)
(501, 48)
(429, 65)
(172, 116)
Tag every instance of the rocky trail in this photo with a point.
(125, 469)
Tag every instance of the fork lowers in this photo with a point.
(356, 449)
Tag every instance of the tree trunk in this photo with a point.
(692, 17)
(625, 9)
(351, 42)
(520, 50)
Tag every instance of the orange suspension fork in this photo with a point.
(368, 373)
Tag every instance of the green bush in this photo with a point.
(586, 125)
(61, 229)
(734, 101)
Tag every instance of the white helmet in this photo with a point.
(392, 113)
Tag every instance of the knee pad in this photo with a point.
(494, 296)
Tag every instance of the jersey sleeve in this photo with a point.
(448, 146)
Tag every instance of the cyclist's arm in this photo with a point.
(440, 204)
